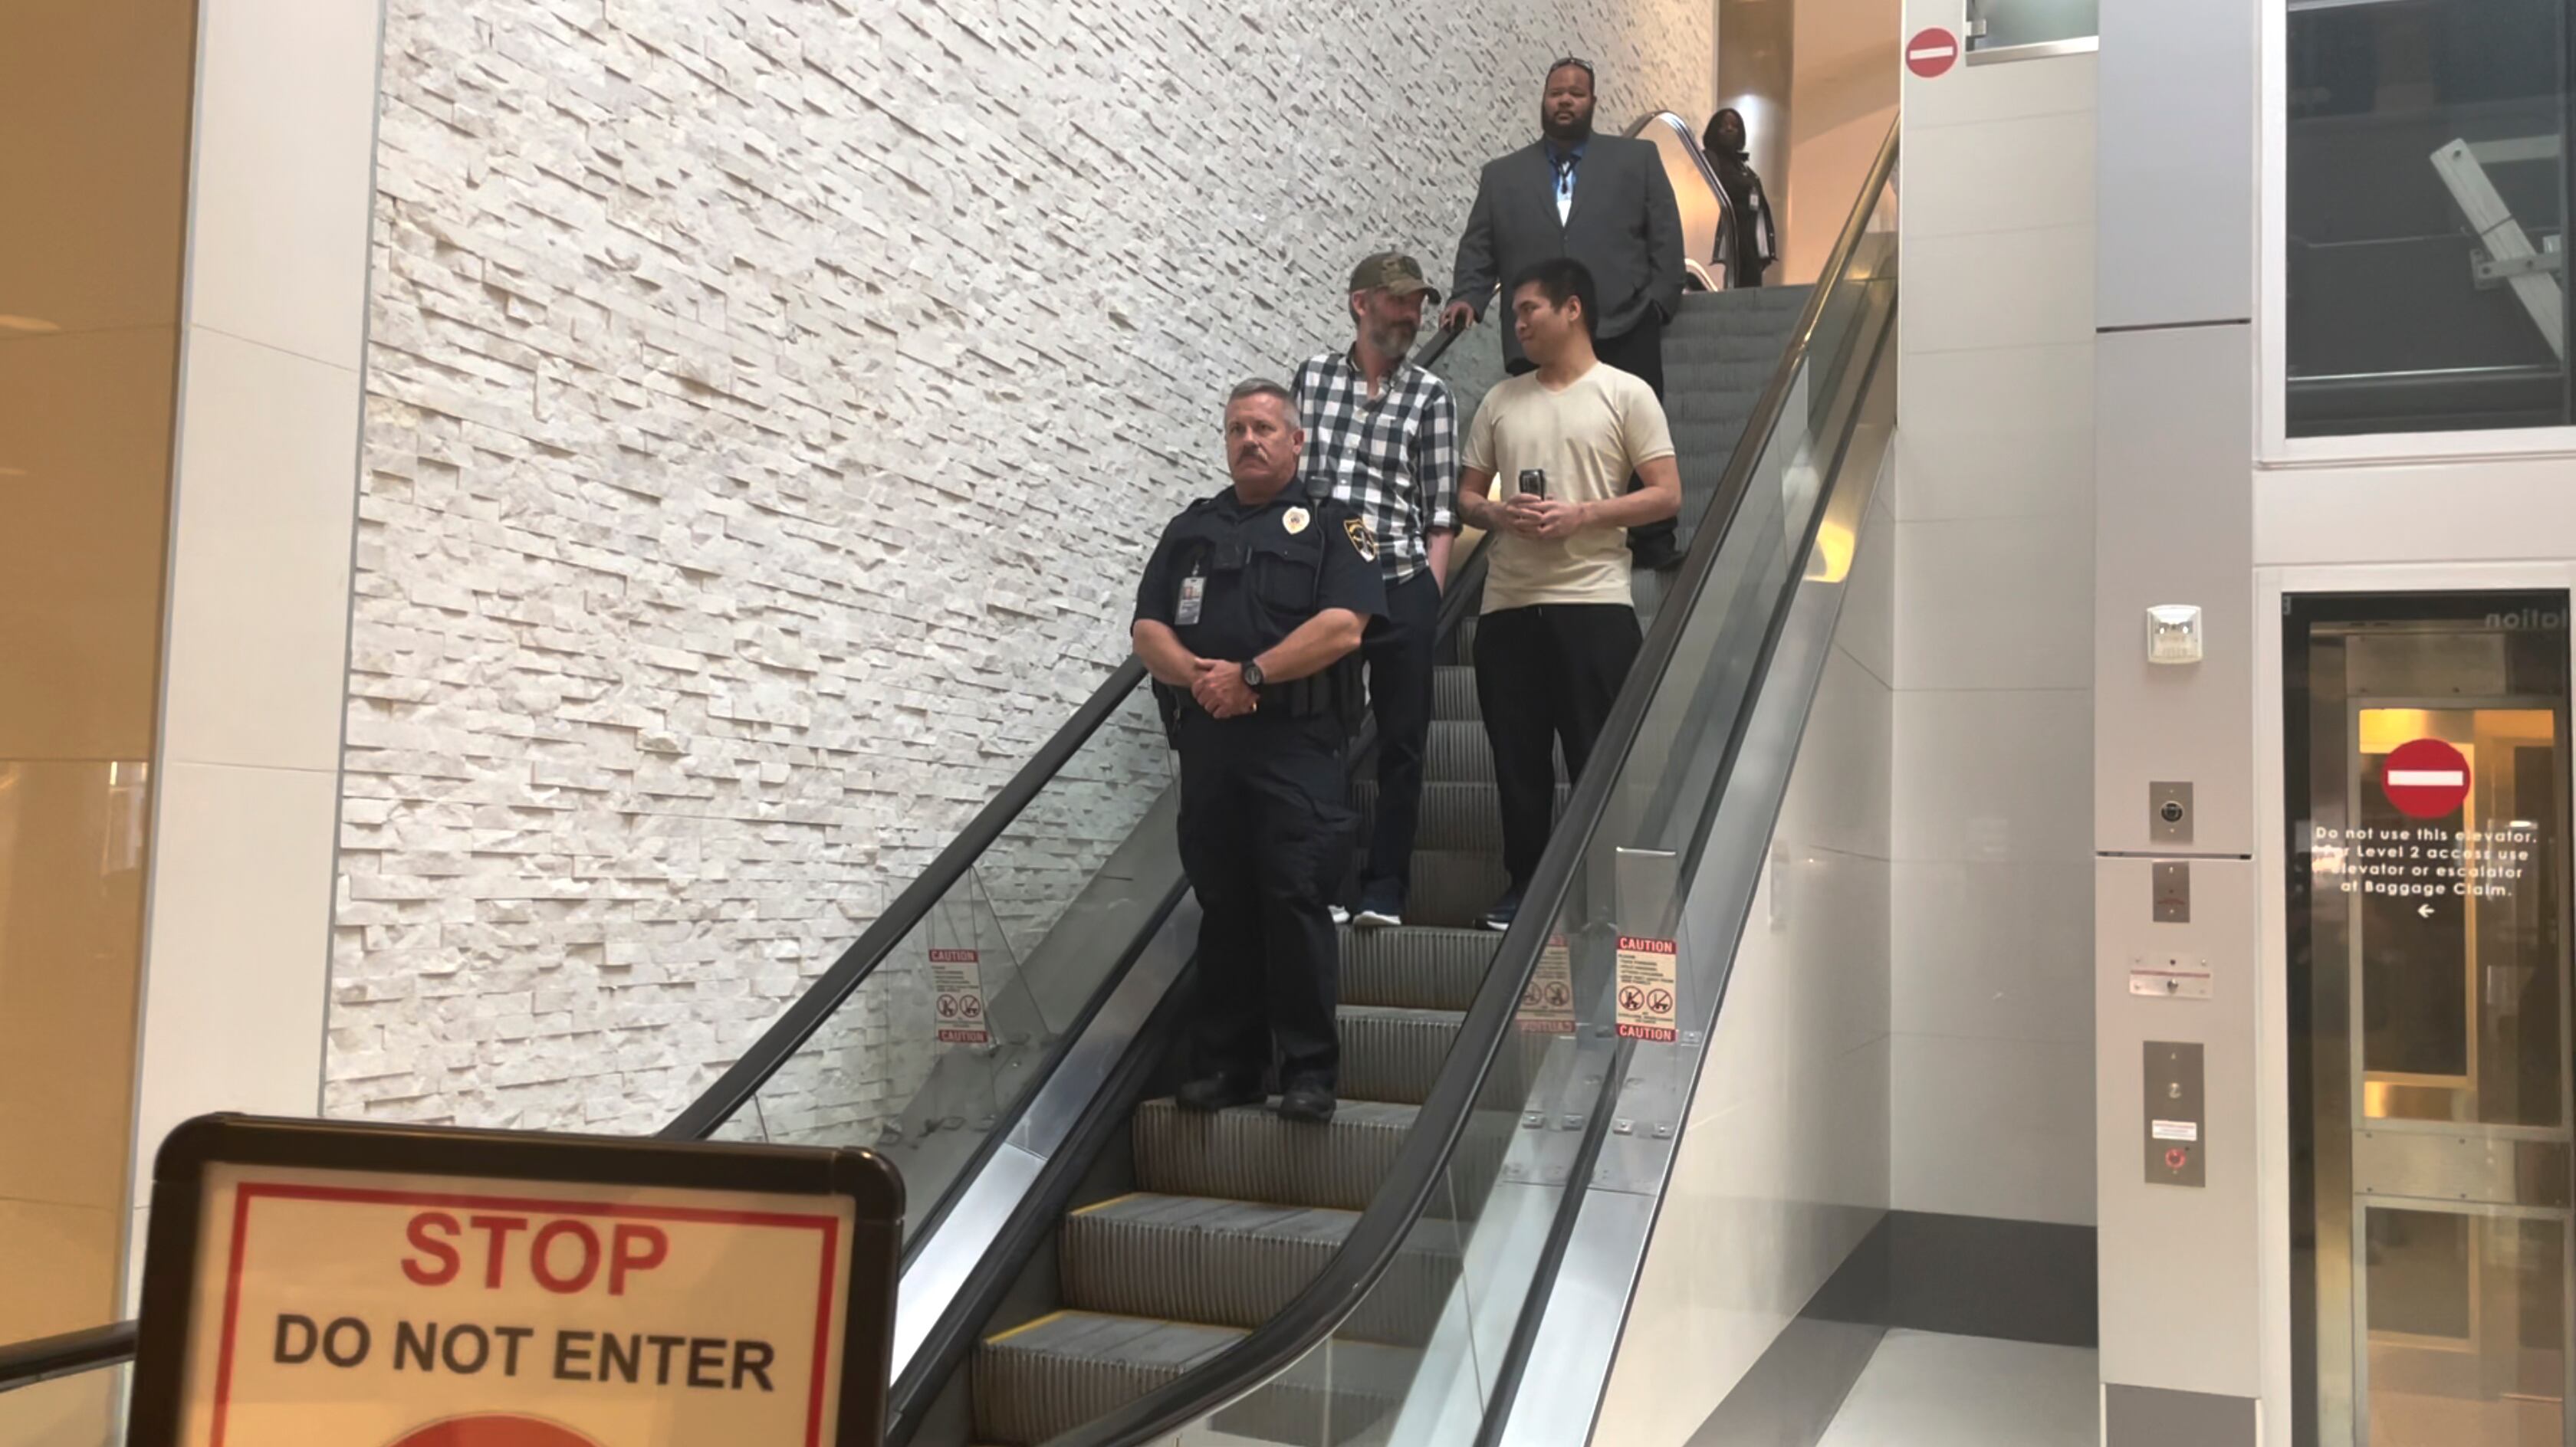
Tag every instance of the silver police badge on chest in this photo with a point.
(1295, 520)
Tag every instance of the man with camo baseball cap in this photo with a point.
(1382, 436)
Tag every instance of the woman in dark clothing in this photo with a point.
(1756, 243)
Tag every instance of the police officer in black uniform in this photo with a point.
(1249, 618)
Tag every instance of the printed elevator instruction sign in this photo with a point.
(2426, 861)
(1649, 987)
(352, 1309)
(957, 988)
(1547, 1006)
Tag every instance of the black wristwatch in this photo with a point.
(1252, 674)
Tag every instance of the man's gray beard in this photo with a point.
(1394, 342)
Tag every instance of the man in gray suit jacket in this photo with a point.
(1603, 200)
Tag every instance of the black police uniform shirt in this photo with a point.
(1232, 581)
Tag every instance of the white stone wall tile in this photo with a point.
(769, 408)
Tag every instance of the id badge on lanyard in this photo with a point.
(1193, 599)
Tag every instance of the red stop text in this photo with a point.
(563, 1254)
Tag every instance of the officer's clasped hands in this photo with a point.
(1220, 689)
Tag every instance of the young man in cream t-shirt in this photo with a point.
(1559, 628)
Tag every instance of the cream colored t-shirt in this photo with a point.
(1589, 438)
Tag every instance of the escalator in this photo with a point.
(1090, 1265)
(1218, 1221)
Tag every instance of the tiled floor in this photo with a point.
(1928, 1390)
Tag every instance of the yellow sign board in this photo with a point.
(687, 1302)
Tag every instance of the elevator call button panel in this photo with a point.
(2177, 1115)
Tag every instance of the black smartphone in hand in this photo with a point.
(1534, 481)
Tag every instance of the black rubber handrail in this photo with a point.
(24, 1364)
(1707, 176)
(1422, 1161)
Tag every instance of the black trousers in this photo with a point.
(1638, 351)
(1265, 838)
(1546, 675)
(1398, 652)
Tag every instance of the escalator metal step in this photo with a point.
(1453, 692)
(1416, 967)
(1250, 1154)
(1457, 753)
(1397, 1054)
(1449, 815)
(1237, 1263)
(1071, 1367)
(1452, 887)
(1394, 1054)
(1693, 348)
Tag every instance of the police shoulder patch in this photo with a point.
(1363, 542)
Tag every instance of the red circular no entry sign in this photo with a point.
(1931, 53)
(2426, 779)
(495, 1430)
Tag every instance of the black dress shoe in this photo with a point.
(1307, 1102)
(1211, 1093)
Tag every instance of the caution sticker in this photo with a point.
(957, 985)
(1547, 1006)
(1649, 987)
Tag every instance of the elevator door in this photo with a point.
(2459, 1119)
(2439, 1068)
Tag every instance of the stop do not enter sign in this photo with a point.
(2426, 779)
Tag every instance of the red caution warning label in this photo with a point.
(1547, 1006)
(1649, 987)
(957, 988)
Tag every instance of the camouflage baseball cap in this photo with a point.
(1394, 271)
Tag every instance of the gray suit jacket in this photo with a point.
(1625, 226)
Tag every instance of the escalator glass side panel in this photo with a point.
(929, 1056)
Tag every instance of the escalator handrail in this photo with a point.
(788, 1033)
(1372, 1243)
(26, 1363)
(1707, 173)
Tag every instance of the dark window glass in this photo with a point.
(2428, 176)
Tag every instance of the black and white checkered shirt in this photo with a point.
(1395, 459)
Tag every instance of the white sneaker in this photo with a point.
(1341, 915)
